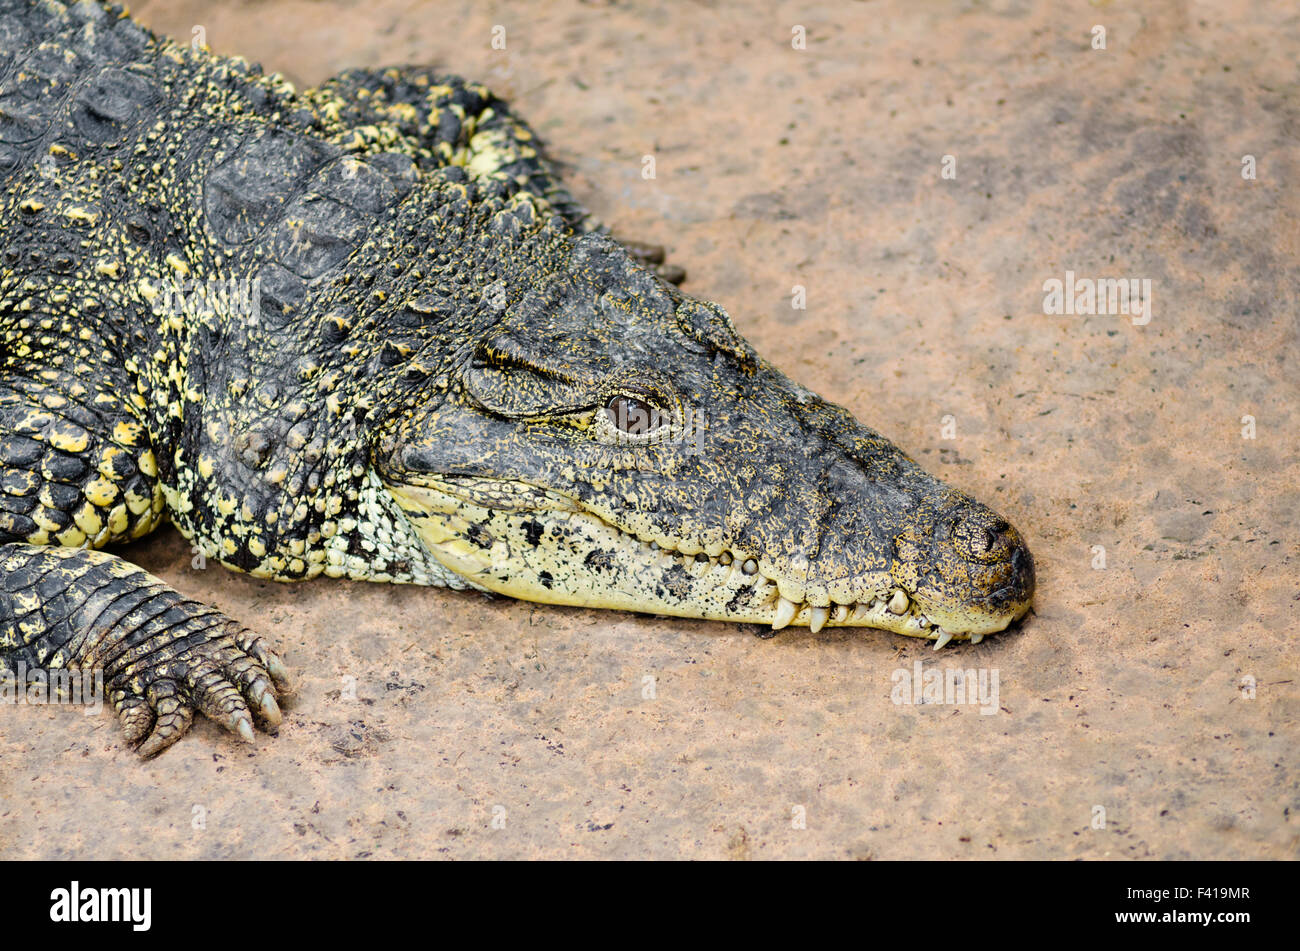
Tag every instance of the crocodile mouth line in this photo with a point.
(528, 542)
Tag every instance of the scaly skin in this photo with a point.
(364, 331)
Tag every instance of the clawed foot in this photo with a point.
(232, 677)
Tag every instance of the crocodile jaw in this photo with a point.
(535, 545)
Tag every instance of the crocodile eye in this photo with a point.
(632, 416)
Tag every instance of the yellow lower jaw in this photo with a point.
(561, 554)
(567, 556)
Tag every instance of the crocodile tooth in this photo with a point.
(899, 602)
(785, 610)
(943, 638)
(750, 567)
(840, 613)
(976, 638)
(817, 619)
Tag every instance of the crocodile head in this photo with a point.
(611, 443)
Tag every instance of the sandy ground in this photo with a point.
(1125, 724)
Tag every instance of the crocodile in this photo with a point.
(365, 331)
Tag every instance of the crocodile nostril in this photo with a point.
(984, 536)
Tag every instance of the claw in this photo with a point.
(271, 716)
(279, 673)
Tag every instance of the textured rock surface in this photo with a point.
(821, 168)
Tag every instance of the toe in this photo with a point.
(254, 646)
(220, 699)
(135, 716)
(172, 720)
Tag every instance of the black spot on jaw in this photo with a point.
(740, 599)
(533, 532)
(480, 536)
(546, 579)
(599, 560)
(677, 582)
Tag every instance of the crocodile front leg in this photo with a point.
(163, 656)
(77, 471)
